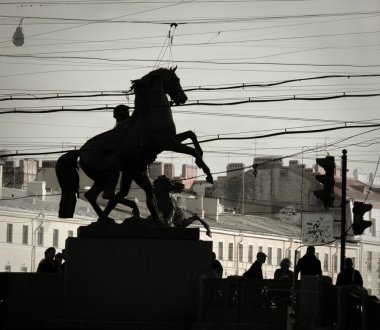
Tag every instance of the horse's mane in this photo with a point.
(147, 79)
(139, 87)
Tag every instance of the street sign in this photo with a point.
(317, 228)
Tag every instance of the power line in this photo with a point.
(59, 95)
(200, 103)
(229, 138)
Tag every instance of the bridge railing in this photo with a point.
(241, 300)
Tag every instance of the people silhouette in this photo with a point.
(217, 267)
(58, 259)
(255, 271)
(308, 264)
(284, 273)
(47, 264)
(349, 275)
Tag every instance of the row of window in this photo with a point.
(271, 259)
(8, 269)
(40, 235)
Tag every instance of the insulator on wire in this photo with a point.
(18, 36)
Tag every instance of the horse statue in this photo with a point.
(129, 149)
(168, 207)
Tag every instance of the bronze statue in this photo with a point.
(129, 148)
(172, 214)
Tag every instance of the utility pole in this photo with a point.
(343, 211)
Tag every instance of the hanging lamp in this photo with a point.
(18, 36)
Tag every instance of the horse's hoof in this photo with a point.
(209, 179)
(136, 214)
(106, 221)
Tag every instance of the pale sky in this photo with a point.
(98, 45)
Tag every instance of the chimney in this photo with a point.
(36, 188)
(1, 176)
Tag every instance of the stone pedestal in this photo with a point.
(134, 274)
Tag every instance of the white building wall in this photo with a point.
(18, 255)
(200, 187)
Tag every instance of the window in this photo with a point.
(353, 261)
(55, 237)
(40, 236)
(220, 250)
(290, 254)
(24, 269)
(9, 232)
(250, 253)
(269, 255)
(260, 249)
(25, 234)
(317, 255)
(230, 251)
(335, 263)
(179, 201)
(241, 252)
(7, 268)
(70, 233)
(279, 256)
(326, 262)
(369, 261)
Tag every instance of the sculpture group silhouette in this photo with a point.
(129, 148)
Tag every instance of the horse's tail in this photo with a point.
(66, 170)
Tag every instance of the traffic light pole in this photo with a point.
(343, 211)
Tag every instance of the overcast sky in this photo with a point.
(98, 45)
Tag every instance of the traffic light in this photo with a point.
(359, 225)
(326, 195)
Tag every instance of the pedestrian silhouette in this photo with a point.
(308, 264)
(58, 259)
(255, 270)
(349, 275)
(47, 264)
(63, 259)
(284, 273)
(217, 267)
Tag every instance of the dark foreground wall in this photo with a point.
(135, 278)
(27, 299)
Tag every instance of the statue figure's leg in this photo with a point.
(110, 184)
(125, 185)
(142, 179)
(91, 196)
(204, 224)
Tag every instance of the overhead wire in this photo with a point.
(241, 86)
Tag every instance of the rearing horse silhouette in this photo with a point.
(129, 149)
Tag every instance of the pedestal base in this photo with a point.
(134, 279)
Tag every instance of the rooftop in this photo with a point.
(17, 200)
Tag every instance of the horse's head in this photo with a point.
(168, 82)
(165, 185)
(172, 86)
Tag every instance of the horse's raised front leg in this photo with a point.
(180, 137)
(175, 146)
